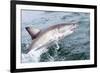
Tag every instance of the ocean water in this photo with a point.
(73, 47)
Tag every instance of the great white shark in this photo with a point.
(41, 39)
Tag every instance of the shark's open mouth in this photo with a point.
(73, 27)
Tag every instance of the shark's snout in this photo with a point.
(75, 24)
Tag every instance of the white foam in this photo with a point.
(33, 56)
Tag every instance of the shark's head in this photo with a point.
(66, 29)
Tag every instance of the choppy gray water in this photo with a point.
(74, 47)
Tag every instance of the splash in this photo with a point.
(57, 45)
(33, 56)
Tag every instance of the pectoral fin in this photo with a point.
(33, 32)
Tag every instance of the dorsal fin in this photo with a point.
(33, 32)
